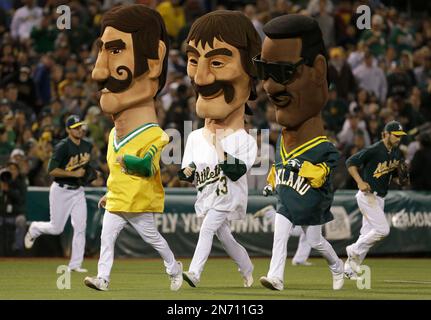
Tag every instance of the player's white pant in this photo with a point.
(144, 224)
(216, 222)
(62, 204)
(375, 227)
(313, 234)
(303, 251)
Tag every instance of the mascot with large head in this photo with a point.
(293, 68)
(220, 48)
(131, 69)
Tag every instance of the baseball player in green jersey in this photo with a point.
(293, 68)
(378, 162)
(70, 167)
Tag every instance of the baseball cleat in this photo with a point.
(177, 279)
(272, 283)
(248, 280)
(353, 260)
(96, 283)
(301, 263)
(337, 281)
(28, 240)
(338, 276)
(79, 270)
(191, 278)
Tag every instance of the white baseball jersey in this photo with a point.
(215, 189)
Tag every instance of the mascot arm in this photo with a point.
(315, 173)
(149, 164)
(145, 166)
(232, 167)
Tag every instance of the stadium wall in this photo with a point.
(408, 214)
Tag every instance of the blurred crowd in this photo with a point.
(375, 75)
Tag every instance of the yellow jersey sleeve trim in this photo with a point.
(271, 177)
(315, 173)
(152, 151)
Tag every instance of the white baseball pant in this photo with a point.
(313, 234)
(144, 224)
(303, 251)
(375, 227)
(62, 204)
(216, 223)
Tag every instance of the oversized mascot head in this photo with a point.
(293, 68)
(220, 48)
(131, 64)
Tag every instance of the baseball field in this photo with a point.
(36, 278)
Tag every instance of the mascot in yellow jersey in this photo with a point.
(131, 70)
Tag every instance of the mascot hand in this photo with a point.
(294, 165)
(267, 191)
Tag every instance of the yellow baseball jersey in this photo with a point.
(132, 193)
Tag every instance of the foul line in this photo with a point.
(408, 281)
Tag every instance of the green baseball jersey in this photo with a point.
(69, 156)
(376, 165)
(305, 196)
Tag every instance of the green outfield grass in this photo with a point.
(145, 279)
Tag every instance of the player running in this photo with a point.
(70, 167)
(378, 163)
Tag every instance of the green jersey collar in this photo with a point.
(131, 135)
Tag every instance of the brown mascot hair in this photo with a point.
(231, 27)
(147, 28)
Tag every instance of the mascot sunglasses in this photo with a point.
(280, 72)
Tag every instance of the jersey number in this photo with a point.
(222, 186)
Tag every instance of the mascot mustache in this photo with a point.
(115, 85)
(213, 88)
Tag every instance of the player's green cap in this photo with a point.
(395, 128)
(74, 121)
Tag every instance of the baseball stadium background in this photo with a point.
(408, 214)
(45, 75)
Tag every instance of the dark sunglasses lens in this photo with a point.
(280, 73)
(276, 77)
(285, 73)
(260, 69)
(289, 72)
(276, 72)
